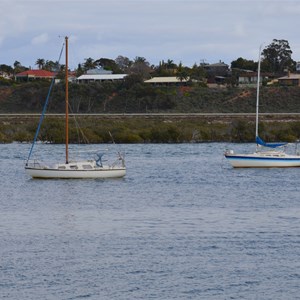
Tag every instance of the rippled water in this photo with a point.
(182, 224)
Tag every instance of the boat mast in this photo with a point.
(257, 91)
(67, 103)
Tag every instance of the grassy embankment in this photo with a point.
(29, 97)
(156, 129)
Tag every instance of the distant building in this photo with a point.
(216, 73)
(99, 75)
(249, 77)
(217, 69)
(34, 74)
(298, 66)
(98, 71)
(290, 80)
(5, 75)
(86, 78)
(165, 81)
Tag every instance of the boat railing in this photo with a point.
(34, 163)
(120, 161)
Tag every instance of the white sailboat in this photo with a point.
(266, 155)
(93, 168)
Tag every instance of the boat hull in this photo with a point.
(73, 174)
(260, 161)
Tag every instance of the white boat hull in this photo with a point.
(80, 170)
(263, 160)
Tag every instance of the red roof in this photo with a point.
(36, 73)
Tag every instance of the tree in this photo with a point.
(131, 80)
(17, 64)
(40, 62)
(108, 64)
(18, 67)
(124, 63)
(197, 73)
(51, 66)
(170, 65)
(7, 69)
(182, 72)
(79, 70)
(89, 64)
(244, 64)
(165, 68)
(277, 57)
(141, 67)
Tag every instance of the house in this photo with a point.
(98, 70)
(248, 78)
(217, 69)
(99, 75)
(290, 80)
(216, 73)
(34, 74)
(5, 75)
(166, 81)
(87, 78)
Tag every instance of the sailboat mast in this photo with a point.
(67, 103)
(257, 91)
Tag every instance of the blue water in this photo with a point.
(182, 224)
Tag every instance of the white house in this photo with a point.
(99, 75)
(171, 80)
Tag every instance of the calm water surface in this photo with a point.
(182, 224)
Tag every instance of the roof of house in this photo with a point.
(36, 73)
(290, 76)
(170, 79)
(216, 65)
(99, 70)
(101, 76)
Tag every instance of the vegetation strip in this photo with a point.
(157, 129)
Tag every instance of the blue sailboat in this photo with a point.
(266, 155)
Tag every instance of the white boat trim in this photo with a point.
(263, 160)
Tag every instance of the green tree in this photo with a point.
(244, 64)
(124, 63)
(108, 64)
(40, 62)
(51, 66)
(197, 73)
(89, 64)
(79, 70)
(277, 57)
(171, 65)
(18, 67)
(141, 67)
(182, 72)
(7, 69)
(165, 68)
(131, 80)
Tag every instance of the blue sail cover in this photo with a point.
(259, 141)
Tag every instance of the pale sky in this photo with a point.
(187, 31)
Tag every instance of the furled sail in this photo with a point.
(259, 141)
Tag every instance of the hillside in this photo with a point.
(127, 128)
(141, 98)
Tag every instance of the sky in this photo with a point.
(186, 31)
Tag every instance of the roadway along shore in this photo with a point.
(201, 116)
